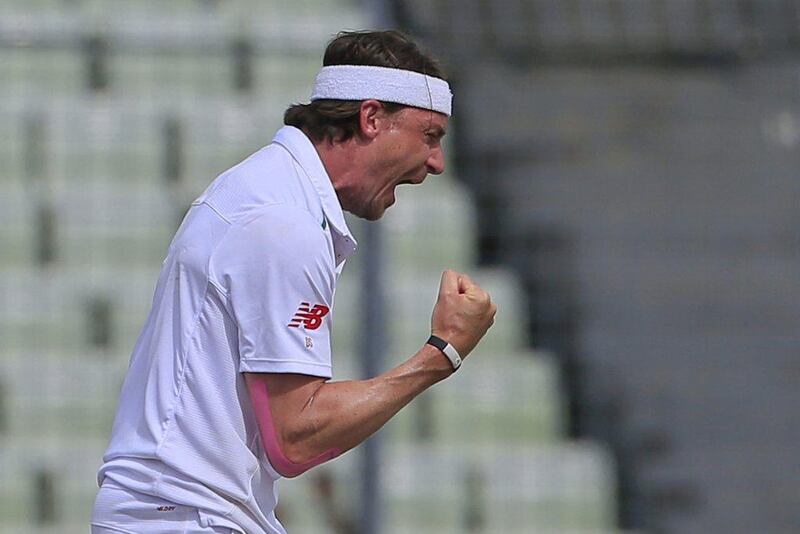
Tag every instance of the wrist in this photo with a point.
(436, 362)
(446, 349)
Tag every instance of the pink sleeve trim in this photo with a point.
(282, 465)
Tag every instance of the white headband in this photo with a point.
(361, 82)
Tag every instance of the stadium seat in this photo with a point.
(52, 310)
(17, 227)
(430, 227)
(69, 400)
(502, 398)
(511, 488)
(68, 463)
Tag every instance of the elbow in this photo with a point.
(283, 465)
(293, 457)
(283, 452)
(292, 452)
(296, 451)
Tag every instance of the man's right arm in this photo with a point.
(305, 420)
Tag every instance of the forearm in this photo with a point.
(340, 415)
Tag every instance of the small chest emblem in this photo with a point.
(309, 317)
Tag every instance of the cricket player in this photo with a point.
(228, 387)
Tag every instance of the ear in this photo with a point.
(370, 116)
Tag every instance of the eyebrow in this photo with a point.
(438, 131)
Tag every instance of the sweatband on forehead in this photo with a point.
(362, 82)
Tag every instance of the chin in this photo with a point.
(373, 214)
(371, 211)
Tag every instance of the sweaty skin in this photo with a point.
(285, 467)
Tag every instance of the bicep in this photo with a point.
(283, 394)
(278, 400)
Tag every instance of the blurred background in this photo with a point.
(623, 179)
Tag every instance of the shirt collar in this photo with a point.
(304, 153)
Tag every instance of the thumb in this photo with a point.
(450, 282)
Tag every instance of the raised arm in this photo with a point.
(305, 420)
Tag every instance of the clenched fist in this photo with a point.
(463, 312)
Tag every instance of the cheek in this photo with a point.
(415, 155)
(403, 156)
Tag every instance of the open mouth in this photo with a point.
(412, 181)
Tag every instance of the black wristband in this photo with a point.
(447, 349)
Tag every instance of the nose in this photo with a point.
(435, 161)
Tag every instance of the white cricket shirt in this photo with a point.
(247, 286)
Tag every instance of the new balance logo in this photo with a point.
(310, 318)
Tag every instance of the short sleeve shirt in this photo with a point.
(247, 286)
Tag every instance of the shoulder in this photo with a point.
(266, 178)
(274, 251)
(280, 221)
(275, 232)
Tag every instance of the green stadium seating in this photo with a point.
(511, 487)
(501, 398)
(71, 462)
(54, 396)
(97, 160)
(17, 224)
(49, 310)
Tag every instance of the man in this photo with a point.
(228, 387)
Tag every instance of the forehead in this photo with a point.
(424, 118)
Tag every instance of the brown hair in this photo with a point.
(338, 120)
